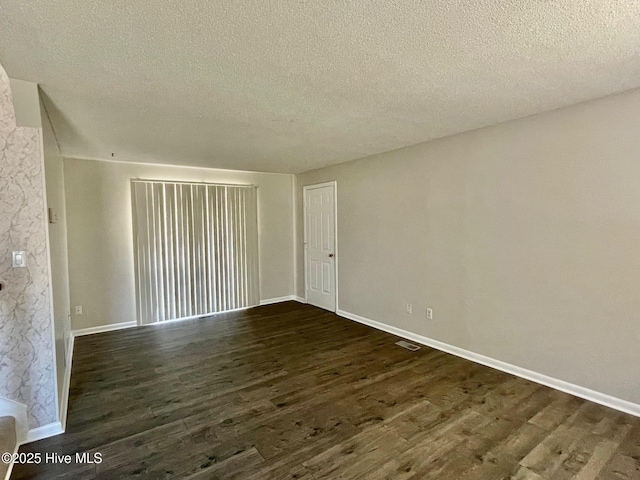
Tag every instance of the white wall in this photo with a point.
(523, 237)
(100, 238)
(26, 101)
(54, 177)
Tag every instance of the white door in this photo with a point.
(320, 243)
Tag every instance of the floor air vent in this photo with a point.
(408, 346)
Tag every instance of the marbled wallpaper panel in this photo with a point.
(26, 342)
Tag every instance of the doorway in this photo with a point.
(320, 245)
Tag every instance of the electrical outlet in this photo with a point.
(408, 308)
(78, 309)
(429, 313)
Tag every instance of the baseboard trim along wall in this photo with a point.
(18, 411)
(102, 328)
(288, 298)
(23, 434)
(64, 401)
(582, 392)
(57, 428)
(45, 431)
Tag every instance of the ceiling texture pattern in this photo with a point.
(291, 85)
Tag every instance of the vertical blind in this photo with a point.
(195, 248)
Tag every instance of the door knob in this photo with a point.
(331, 255)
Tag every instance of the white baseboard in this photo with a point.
(23, 434)
(59, 427)
(18, 411)
(288, 298)
(45, 431)
(582, 392)
(102, 328)
(64, 400)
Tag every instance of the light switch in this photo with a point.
(19, 259)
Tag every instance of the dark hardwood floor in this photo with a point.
(292, 391)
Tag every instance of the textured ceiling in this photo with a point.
(291, 85)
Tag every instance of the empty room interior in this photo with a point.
(320, 240)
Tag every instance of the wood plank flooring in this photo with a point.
(289, 391)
